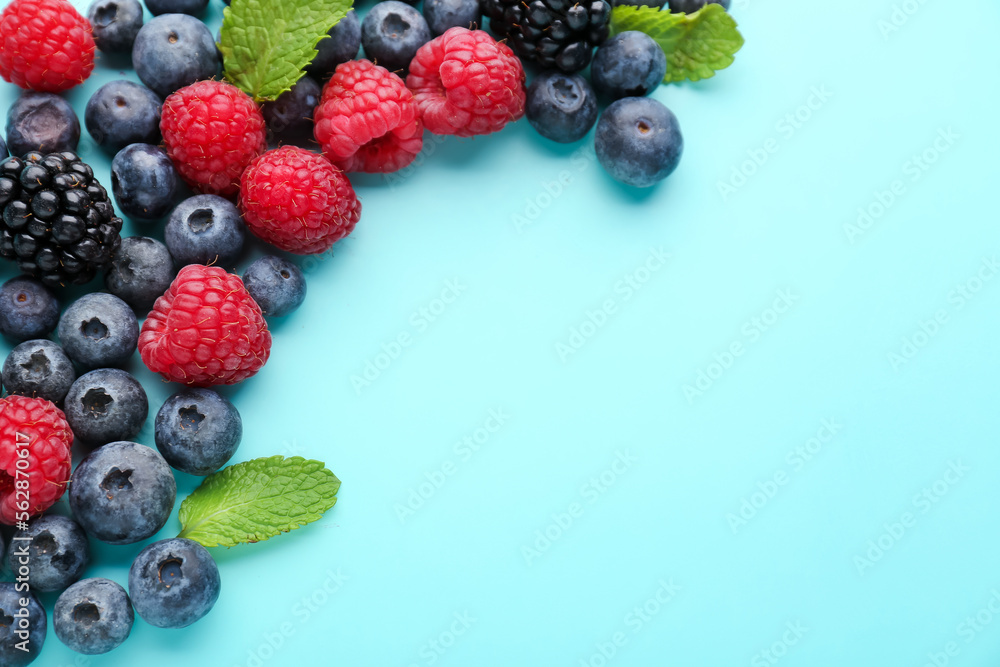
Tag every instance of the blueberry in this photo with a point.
(391, 34)
(38, 368)
(115, 23)
(630, 64)
(173, 582)
(3, 148)
(122, 493)
(561, 107)
(342, 45)
(656, 4)
(123, 112)
(141, 270)
(197, 431)
(93, 616)
(638, 141)
(691, 6)
(173, 51)
(98, 330)
(205, 229)
(104, 406)
(12, 637)
(277, 285)
(192, 7)
(144, 181)
(291, 114)
(444, 14)
(28, 309)
(41, 122)
(54, 549)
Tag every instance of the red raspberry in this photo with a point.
(466, 83)
(205, 330)
(38, 427)
(45, 45)
(212, 130)
(367, 119)
(298, 201)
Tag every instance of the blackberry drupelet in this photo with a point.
(57, 223)
(556, 34)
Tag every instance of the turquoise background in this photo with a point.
(814, 501)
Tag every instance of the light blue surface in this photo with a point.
(453, 584)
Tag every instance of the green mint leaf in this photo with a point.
(696, 45)
(256, 500)
(266, 44)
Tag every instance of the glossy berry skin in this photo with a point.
(122, 112)
(106, 405)
(47, 45)
(205, 330)
(115, 24)
(342, 45)
(93, 616)
(197, 431)
(10, 604)
(28, 309)
(391, 34)
(144, 182)
(444, 14)
(140, 272)
(173, 583)
(98, 330)
(638, 141)
(192, 7)
(40, 369)
(41, 122)
(173, 51)
(691, 6)
(276, 284)
(54, 550)
(205, 229)
(561, 107)
(630, 64)
(291, 114)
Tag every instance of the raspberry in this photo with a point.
(465, 83)
(367, 119)
(205, 330)
(212, 130)
(45, 45)
(298, 201)
(38, 427)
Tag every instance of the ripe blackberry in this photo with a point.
(57, 222)
(553, 33)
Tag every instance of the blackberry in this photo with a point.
(57, 221)
(556, 34)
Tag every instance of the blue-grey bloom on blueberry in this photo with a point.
(40, 369)
(205, 229)
(342, 45)
(630, 64)
(172, 51)
(444, 14)
(115, 24)
(691, 6)
(28, 309)
(192, 7)
(3, 147)
(391, 34)
(144, 182)
(104, 406)
(42, 122)
(291, 114)
(98, 330)
(173, 583)
(276, 284)
(53, 549)
(638, 141)
(12, 636)
(561, 107)
(123, 112)
(197, 431)
(93, 616)
(141, 271)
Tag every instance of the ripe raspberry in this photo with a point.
(205, 330)
(465, 83)
(212, 130)
(45, 45)
(298, 201)
(38, 427)
(367, 119)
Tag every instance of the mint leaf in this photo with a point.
(696, 45)
(266, 44)
(256, 500)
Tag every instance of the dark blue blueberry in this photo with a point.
(41, 122)
(98, 330)
(444, 14)
(53, 549)
(630, 64)
(277, 285)
(13, 638)
(122, 112)
(656, 4)
(561, 107)
(93, 616)
(391, 34)
(173, 583)
(192, 7)
(122, 493)
(115, 23)
(28, 309)
(638, 141)
(3, 147)
(197, 431)
(105, 405)
(173, 51)
(38, 368)
(342, 45)
(691, 6)
(141, 270)
(144, 182)
(291, 114)
(205, 229)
